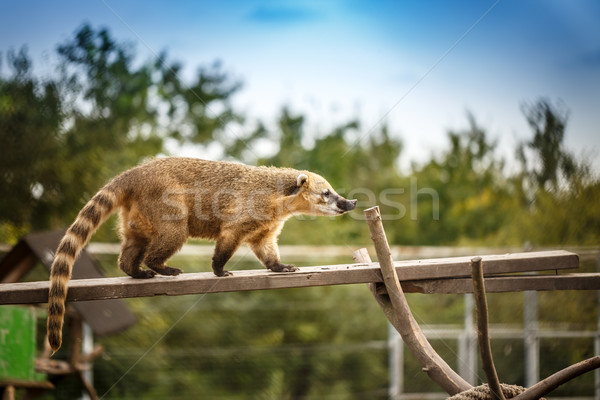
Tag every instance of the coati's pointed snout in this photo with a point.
(346, 205)
(352, 204)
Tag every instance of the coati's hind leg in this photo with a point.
(132, 254)
(162, 248)
(224, 248)
(136, 231)
(163, 269)
(267, 252)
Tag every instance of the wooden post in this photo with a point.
(485, 348)
(398, 312)
(76, 356)
(9, 393)
(75, 340)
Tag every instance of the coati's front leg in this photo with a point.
(267, 252)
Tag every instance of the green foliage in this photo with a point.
(30, 115)
(65, 136)
(473, 201)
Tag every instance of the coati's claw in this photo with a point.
(171, 271)
(284, 268)
(224, 274)
(144, 274)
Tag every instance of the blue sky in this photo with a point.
(417, 65)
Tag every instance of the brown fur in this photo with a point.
(165, 201)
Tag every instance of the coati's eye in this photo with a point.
(326, 193)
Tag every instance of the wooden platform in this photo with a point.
(442, 275)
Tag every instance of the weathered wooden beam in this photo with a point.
(207, 282)
(501, 284)
(456, 267)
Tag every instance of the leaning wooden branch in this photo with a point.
(485, 348)
(435, 367)
(547, 385)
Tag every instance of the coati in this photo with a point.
(167, 200)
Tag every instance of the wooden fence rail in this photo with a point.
(442, 275)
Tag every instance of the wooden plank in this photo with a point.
(207, 282)
(500, 284)
(455, 267)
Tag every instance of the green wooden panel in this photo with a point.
(18, 343)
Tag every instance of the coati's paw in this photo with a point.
(290, 268)
(144, 274)
(223, 274)
(170, 271)
(284, 268)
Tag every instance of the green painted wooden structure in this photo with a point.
(18, 345)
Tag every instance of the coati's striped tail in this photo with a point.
(77, 236)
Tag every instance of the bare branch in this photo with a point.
(547, 385)
(435, 367)
(482, 329)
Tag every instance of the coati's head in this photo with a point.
(315, 196)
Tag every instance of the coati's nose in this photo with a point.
(352, 204)
(346, 205)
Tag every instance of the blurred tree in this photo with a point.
(109, 117)
(548, 123)
(290, 133)
(102, 114)
(200, 113)
(30, 116)
(467, 180)
(556, 191)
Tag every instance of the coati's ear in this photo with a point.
(291, 189)
(301, 180)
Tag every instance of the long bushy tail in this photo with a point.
(89, 219)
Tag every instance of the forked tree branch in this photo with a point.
(398, 312)
(395, 308)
